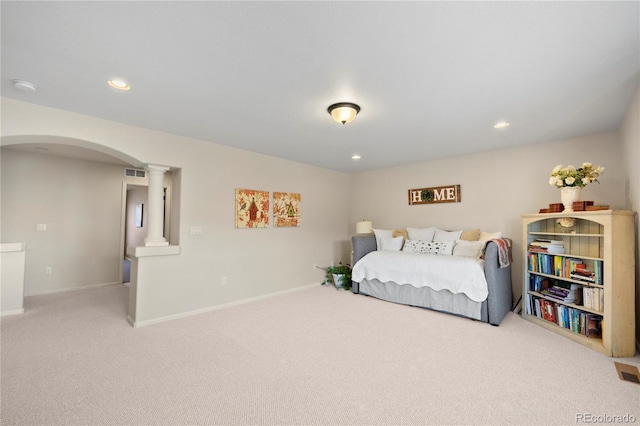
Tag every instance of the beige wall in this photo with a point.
(496, 187)
(630, 136)
(256, 262)
(79, 201)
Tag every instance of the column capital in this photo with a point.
(157, 168)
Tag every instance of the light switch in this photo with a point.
(41, 227)
(196, 230)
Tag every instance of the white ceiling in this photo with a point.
(431, 77)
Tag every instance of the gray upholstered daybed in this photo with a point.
(491, 310)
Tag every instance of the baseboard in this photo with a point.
(12, 312)
(137, 324)
(64, 290)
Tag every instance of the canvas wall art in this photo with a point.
(252, 208)
(286, 209)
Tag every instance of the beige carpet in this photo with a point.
(315, 356)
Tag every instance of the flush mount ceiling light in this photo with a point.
(25, 86)
(343, 112)
(355, 157)
(119, 84)
(501, 125)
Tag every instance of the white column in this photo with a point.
(155, 201)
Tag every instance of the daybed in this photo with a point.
(479, 289)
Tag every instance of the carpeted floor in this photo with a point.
(315, 356)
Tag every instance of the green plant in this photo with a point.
(344, 271)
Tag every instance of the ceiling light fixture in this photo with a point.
(119, 84)
(501, 125)
(344, 112)
(25, 86)
(355, 157)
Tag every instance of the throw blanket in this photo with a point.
(505, 257)
(458, 274)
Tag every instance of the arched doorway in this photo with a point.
(72, 192)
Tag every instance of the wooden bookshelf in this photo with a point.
(603, 239)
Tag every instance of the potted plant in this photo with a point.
(340, 275)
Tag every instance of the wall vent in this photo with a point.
(138, 173)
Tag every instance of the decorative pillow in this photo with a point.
(441, 235)
(468, 248)
(428, 247)
(391, 244)
(382, 233)
(401, 233)
(470, 235)
(421, 234)
(486, 236)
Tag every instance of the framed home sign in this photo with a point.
(436, 194)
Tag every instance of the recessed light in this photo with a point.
(355, 157)
(119, 84)
(25, 86)
(501, 125)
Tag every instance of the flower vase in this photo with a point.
(569, 194)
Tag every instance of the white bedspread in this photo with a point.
(458, 274)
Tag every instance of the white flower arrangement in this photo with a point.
(570, 176)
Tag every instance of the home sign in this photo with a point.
(436, 194)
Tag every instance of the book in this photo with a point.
(594, 326)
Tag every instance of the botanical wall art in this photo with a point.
(286, 209)
(252, 208)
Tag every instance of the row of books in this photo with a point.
(578, 321)
(547, 246)
(593, 298)
(565, 295)
(566, 292)
(565, 267)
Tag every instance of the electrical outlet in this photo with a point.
(48, 270)
(223, 281)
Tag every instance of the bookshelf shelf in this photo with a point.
(570, 280)
(571, 305)
(565, 234)
(597, 310)
(591, 342)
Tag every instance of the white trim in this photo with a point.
(12, 312)
(64, 290)
(137, 324)
(12, 247)
(142, 251)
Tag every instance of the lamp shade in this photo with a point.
(364, 227)
(344, 112)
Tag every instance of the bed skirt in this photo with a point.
(425, 297)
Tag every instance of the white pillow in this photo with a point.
(468, 248)
(441, 235)
(421, 234)
(486, 236)
(391, 244)
(382, 233)
(428, 247)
